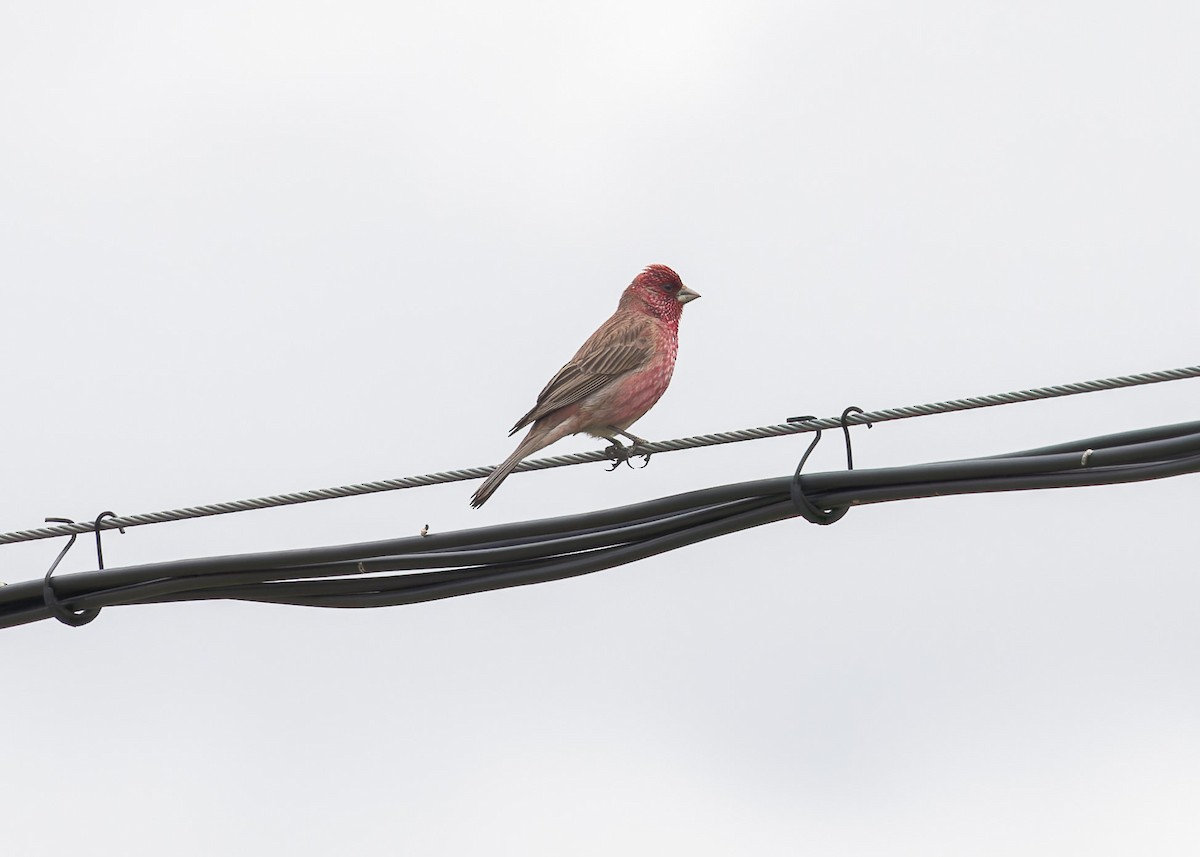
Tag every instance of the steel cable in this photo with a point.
(415, 569)
(675, 445)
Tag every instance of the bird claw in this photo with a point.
(621, 454)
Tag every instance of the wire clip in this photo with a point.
(805, 506)
(846, 431)
(56, 607)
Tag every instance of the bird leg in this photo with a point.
(634, 450)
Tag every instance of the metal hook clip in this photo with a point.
(846, 431)
(96, 527)
(61, 613)
(807, 509)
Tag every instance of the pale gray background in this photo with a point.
(254, 248)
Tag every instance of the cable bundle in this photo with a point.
(426, 568)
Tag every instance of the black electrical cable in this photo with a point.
(425, 568)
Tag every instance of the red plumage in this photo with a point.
(614, 378)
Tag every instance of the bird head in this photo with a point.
(661, 291)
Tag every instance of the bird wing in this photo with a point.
(612, 351)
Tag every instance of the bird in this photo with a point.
(615, 377)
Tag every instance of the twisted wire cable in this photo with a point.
(414, 569)
(694, 442)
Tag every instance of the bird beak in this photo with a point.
(685, 294)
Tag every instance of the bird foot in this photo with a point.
(621, 454)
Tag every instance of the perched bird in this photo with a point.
(614, 378)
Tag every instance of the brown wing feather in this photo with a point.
(621, 345)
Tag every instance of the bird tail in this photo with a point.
(530, 444)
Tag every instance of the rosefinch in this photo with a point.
(610, 383)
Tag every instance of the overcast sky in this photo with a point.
(256, 248)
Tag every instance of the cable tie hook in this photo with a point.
(56, 607)
(96, 528)
(846, 431)
(804, 506)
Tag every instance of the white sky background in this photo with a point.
(255, 249)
